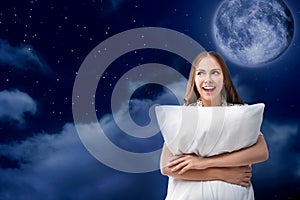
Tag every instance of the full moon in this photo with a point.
(252, 33)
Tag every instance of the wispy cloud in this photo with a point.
(21, 57)
(59, 167)
(244, 91)
(14, 104)
(280, 136)
(111, 6)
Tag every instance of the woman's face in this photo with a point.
(209, 81)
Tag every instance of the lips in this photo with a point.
(208, 89)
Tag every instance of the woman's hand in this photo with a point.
(185, 162)
(234, 175)
(237, 175)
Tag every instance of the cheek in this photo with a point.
(198, 81)
(219, 81)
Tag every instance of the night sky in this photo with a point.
(43, 44)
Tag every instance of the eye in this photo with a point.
(215, 72)
(200, 73)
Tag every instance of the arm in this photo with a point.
(253, 154)
(235, 175)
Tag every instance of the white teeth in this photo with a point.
(208, 87)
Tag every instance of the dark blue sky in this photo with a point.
(43, 45)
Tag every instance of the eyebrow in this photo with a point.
(210, 70)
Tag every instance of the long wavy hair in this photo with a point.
(229, 90)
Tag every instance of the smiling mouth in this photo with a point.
(208, 88)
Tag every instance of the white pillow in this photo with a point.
(208, 131)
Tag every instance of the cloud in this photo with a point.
(279, 135)
(244, 91)
(280, 138)
(57, 166)
(49, 164)
(21, 57)
(116, 3)
(14, 104)
(142, 110)
(111, 6)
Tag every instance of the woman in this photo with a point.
(210, 85)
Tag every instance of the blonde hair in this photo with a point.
(192, 94)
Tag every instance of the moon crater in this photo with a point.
(253, 32)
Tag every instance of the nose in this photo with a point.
(207, 78)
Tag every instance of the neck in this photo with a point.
(212, 102)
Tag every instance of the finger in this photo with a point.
(171, 164)
(245, 184)
(184, 169)
(248, 175)
(173, 161)
(246, 169)
(178, 167)
(177, 161)
(247, 180)
(175, 158)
